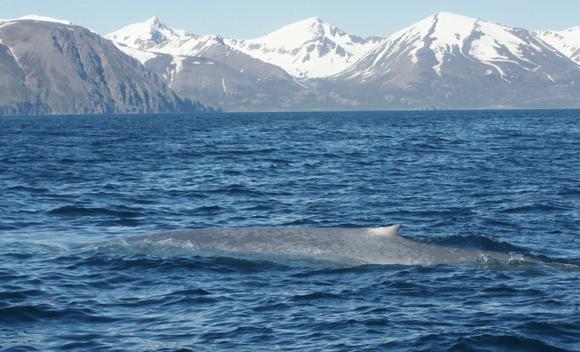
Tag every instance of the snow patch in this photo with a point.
(224, 84)
(437, 68)
(178, 62)
(142, 56)
(498, 69)
(5, 24)
(13, 54)
(302, 85)
(38, 18)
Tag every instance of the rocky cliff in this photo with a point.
(55, 68)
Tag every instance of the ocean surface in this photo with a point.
(506, 181)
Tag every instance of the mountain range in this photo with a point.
(446, 61)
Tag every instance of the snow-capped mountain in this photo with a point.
(308, 49)
(148, 35)
(156, 37)
(445, 61)
(145, 41)
(444, 43)
(567, 42)
(451, 60)
(204, 68)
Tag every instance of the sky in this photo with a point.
(248, 19)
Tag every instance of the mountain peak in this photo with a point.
(442, 24)
(313, 20)
(298, 33)
(154, 21)
(448, 16)
(141, 35)
(156, 24)
(308, 48)
(443, 21)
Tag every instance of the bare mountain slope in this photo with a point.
(53, 67)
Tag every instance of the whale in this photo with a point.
(382, 245)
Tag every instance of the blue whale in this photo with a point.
(382, 245)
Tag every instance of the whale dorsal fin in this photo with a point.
(389, 231)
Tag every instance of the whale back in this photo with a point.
(382, 245)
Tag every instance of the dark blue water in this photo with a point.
(506, 181)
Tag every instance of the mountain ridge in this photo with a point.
(306, 49)
(445, 61)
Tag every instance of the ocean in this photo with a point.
(504, 181)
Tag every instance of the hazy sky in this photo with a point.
(247, 19)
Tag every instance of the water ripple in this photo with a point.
(491, 180)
